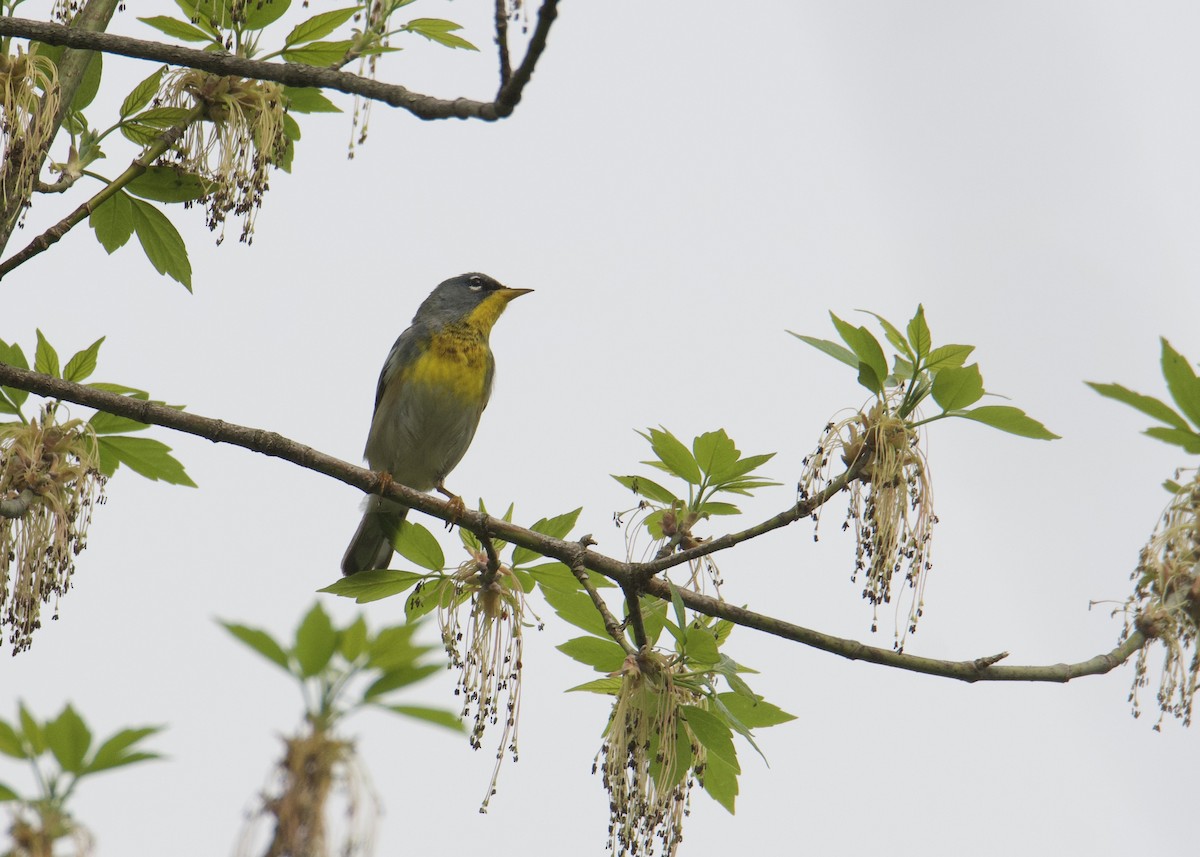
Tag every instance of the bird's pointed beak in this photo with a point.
(507, 294)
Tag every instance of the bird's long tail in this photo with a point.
(371, 546)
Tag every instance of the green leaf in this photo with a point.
(112, 753)
(713, 732)
(1009, 419)
(68, 738)
(167, 184)
(161, 241)
(10, 741)
(318, 26)
(556, 528)
(261, 642)
(677, 603)
(400, 677)
(14, 356)
(393, 648)
(353, 640)
(918, 333)
(144, 456)
(741, 467)
(948, 356)
(714, 451)
(83, 363)
(436, 716)
(648, 489)
(426, 597)
(261, 13)
(440, 31)
(415, 543)
(654, 617)
(717, 508)
(45, 359)
(958, 387)
(1148, 405)
(319, 53)
(1182, 382)
(102, 422)
(316, 641)
(35, 735)
(177, 29)
(89, 84)
(602, 655)
(720, 781)
(682, 755)
(112, 222)
(578, 609)
(674, 456)
(870, 353)
(608, 686)
(373, 585)
(701, 646)
(556, 575)
(308, 99)
(834, 350)
(894, 336)
(1189, 440)
(7, 794)
(142, 93)
(755, 713)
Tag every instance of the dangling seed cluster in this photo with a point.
(49, 484)
(487, 653)
(1165, 605)
(28, 101)
(648, 760)
(890, 507)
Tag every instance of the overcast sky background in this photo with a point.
(681, 183)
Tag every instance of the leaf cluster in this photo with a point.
(712, 466)
(922, 371)
(144, 456)
(343, 670)
(61, 751)
(1181, 424)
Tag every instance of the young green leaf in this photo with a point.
(646, 488)
(308, 99)
(918, 334)
(400, 677)
(319, 54)
(440, 31)
(102, 422)
(834, 350)
(720, 781)
(68, 738)
(161, 241)
(1188, 440)
(958, 387)
(701, 646)
(415, 543)
(674, 456)
(373, 585)
(114, 752)
(578, 609)
(872, 367)
(1182, 382)
(319, 26)
(10, 742)
(602, 655)
(556, 528)
(353, 640)
(83, 363)
(1009, 419)
(316, 641)
(608, 686)
(7, 794)
(714, 451)
(144, 456)
(45, 359)
(112, 222)
(142, 93)
(436, 716)
(177, 29)
(713, 732)
(755, 713)
(35, 735)
(167, 184)
(260, 641)
(894, 336)
(948, 356)
(261, 13)
(1148, 405)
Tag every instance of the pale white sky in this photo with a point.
(682, 182)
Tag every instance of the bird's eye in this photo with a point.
(475, 284)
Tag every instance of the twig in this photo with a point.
(54, 234)
(623, 573)
(610, 621)
(633, 613)
(294, 74)
(502, 41)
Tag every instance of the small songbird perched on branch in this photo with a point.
(434, 386)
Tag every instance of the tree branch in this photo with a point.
(292, 74)
(573, 554)
(610, 621)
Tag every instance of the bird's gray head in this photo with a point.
(457, 299)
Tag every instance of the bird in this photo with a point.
(435, 383)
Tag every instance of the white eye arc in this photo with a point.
(475, 284)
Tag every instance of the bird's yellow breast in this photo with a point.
(456, 361)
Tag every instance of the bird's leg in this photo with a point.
(457, 506)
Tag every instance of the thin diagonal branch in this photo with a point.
(570, 553)
(292, 74)
(502, 41)
(610, 621)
